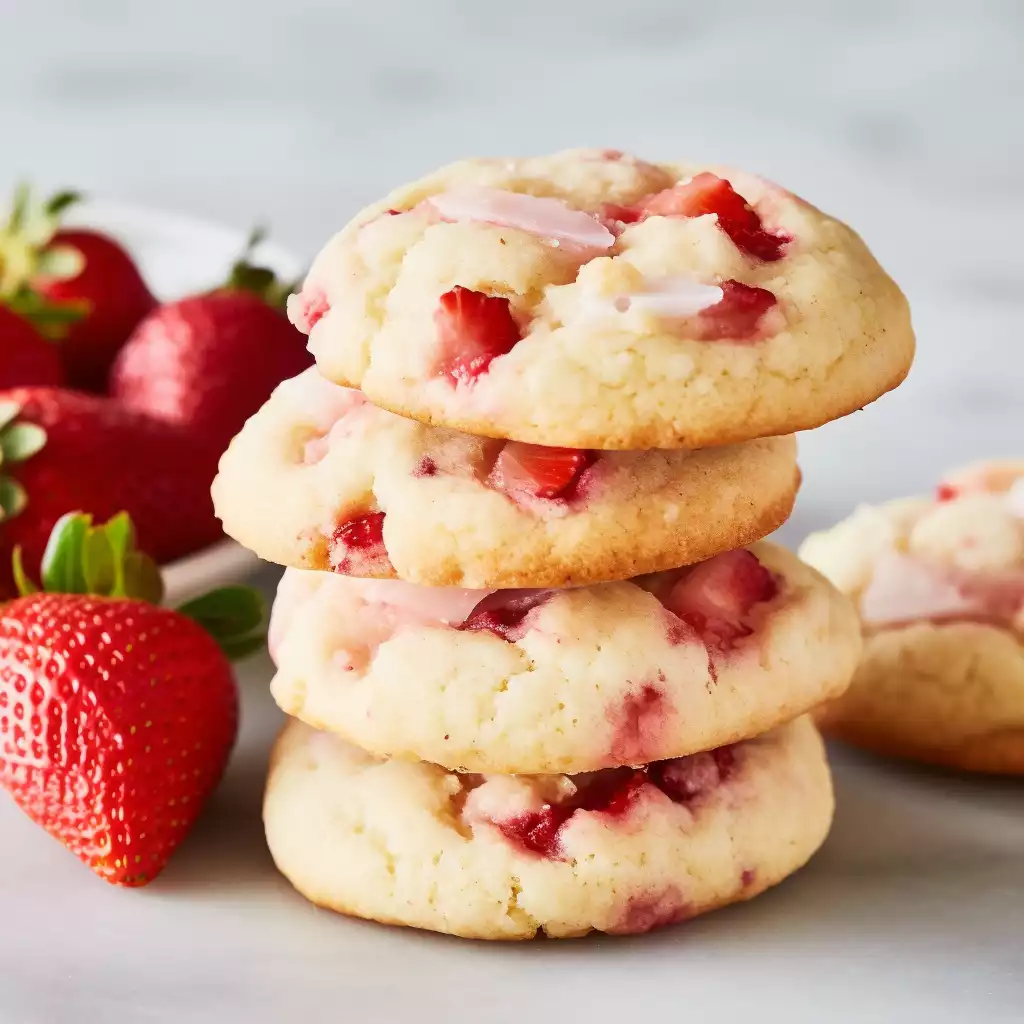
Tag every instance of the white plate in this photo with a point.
(179, 255)
(912, 912)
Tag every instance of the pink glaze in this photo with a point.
(325, 407)
(638, 723)
(295, 588)
(644, 912)
(307, 308)
(407, 604)
(904, 589)
(548, 218)
(670, 297)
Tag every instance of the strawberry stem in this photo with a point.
(261, 281)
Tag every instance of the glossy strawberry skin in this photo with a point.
(533, 470)
(116, 720)
(113, 298)
(473, 329)
(103, 459)
(208, 362)
(26, 357)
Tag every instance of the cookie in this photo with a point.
(939, 583)
(591, 300)
(542, 681)
(322, 479)
(496, 857)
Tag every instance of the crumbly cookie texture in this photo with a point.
(590, 299)
(450, 509)
(939, 583)
(497, 857)
(566, 680)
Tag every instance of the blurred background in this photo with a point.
(901, 117)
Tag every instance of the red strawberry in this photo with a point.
(533, 470)
(716, 597)
(208, 362)
(82, 270)
(116, 716)
(737, 317)
(64, 449)
(472, 329)
(26, 357)
(707, 193)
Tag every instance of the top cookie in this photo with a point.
(589, 299)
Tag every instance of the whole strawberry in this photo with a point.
(208, 362)
(118, 715)
(81, 270)
(65, 449)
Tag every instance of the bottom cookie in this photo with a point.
(621, 851)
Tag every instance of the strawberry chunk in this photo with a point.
(705, 194)
(737, 316)
(503, 613)
(472, 329)
(611, 212)
(716, 597)
(946, 492)
(357, 547)
(307, 308)
(536, 471)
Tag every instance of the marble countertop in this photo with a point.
(901, 117)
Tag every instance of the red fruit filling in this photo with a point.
(611, 213)
(716, 597)
(946, 492)
(707, 193)
(472, 330)
(614, 793)
(535, 471)
(357, 546)
(425, 467)
(503, 613)
(644, 913)
(638, 721)
(311, 308)
(736, 316)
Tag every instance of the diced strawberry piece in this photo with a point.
(503, 612)
(614, 212)
(716, 597)
(946, 492)
(687, 778)
(737, 316)
(308, 309)
(706, 194)
(472, 329)
(533, 470)
(357, 546)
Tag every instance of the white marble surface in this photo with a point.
(903, 117)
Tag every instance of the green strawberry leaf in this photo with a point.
(59, 263)
(13, 498)
(21, 581)
(233, 616)
(60, 201)
(8, 410)
(20, 441)
(98, 562)
(120, 534)
(142, 579)
(262, 281)
(62, 565)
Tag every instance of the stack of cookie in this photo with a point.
(545, 676)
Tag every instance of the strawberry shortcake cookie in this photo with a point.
(322, 479)
(592, 300)
(499, 857)
(939, 583)
(575, 680)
